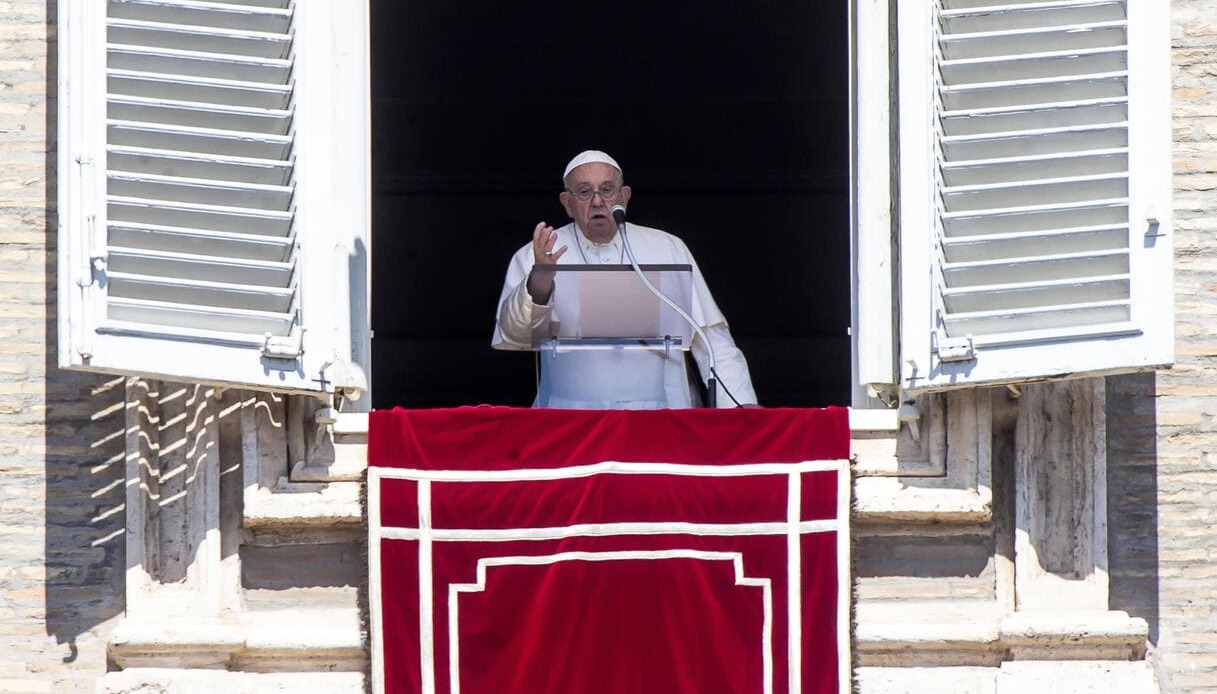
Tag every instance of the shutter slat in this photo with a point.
(1029, 16)
(210, 217)
(1035, 66)
(1015, 82)
(195, 115)
(196, 38)
(191, 165)
(199, 140)
(1067, 131)
(210, 192)
(1038, 39)
(200, 242)
(200, 293)
(211, 14)
(281, 4)
(205, 90)
(1005, 196)
(1035, 92)
(155, 59)
(168, 265)
(958, 7)
(963, 274)
(1011, 323)
(194, 317)
(1036, 144)
(1113, 111)
(1002, 298)
(962, 249)
(1012, 169)
(1032, 218)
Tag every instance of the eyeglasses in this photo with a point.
(607, 193)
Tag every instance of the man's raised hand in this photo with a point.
(541, 279)
(543, 240)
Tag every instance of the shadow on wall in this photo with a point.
(84, 514)
(1132, 499)
(83, 453)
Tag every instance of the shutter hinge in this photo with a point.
(95, 268)
(284, 347)
(96, 263)
(348, 377)
(954, 348)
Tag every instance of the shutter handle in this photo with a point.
(1152, 226)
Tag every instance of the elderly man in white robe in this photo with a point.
(615, 378)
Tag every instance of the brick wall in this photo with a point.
(61, 447)
(1163, 428)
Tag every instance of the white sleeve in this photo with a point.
(518, 317)
(730, 364)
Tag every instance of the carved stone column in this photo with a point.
(1061, 629)
(176, 574)
(1061, 502)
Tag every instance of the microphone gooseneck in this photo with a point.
(711, 383)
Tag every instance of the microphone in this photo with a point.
(711, 383)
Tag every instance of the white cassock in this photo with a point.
(619, 378)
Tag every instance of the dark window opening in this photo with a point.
(730, 120)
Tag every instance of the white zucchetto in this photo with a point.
(588, 157)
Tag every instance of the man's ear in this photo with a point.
(625, 196)
(564, 198)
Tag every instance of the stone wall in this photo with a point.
(61, 442)
(1164, 446)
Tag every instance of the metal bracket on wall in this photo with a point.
(909, 414)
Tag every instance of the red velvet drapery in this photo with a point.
(547, 551)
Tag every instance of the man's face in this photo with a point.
(594, 216)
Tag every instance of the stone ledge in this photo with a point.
(928, 633)
(1066, 677)
(309, 640)
(970, 634)
(303, 504)
(166, 681)
(1082, 635)
(883, 499)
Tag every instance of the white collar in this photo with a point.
(589, 246)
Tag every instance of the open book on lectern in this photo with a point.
(609, 304)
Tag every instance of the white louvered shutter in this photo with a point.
(1035, 230)
(194, 136)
